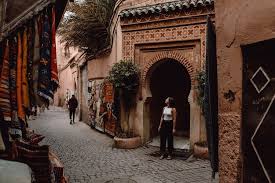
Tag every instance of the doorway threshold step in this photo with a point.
(181, 143)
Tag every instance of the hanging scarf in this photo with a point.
(25, 89)
(4, 86)
(30, 64)
(44, 79)
(54, 72)
(13, 66)
(21, 112)
(36, 60)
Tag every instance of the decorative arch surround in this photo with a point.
(152, 40)
(167, 55)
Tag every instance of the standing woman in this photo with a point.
(167, 127)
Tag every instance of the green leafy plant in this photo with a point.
(124, 76)
(201, 79)
(86, 25)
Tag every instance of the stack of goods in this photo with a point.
(37, 157)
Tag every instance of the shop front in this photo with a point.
(28, 80)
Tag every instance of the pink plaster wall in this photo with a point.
(99, 67)
(238, 22)
(67, 74)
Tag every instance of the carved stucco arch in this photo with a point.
(164, 57)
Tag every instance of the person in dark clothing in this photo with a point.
(72, 108)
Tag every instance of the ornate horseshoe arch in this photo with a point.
(159, 58)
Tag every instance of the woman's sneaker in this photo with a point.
(169, 157)
(161, 157)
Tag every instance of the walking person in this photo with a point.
(72, 108)
(167, 128)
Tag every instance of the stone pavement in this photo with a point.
(88, 156)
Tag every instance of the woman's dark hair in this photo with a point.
(171, 101)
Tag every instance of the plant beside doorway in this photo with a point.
(201, 79)
(201, 150)
(124, 76)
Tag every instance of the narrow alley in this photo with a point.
(88, 155)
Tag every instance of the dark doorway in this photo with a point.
(258, 124)
(170, 78)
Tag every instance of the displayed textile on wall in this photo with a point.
(44, 78)
(5, 85)
(101, 106)
(21, 112)
(28, 69)
(36, 60)
(54, 72)
(95, 104)
(30, 63)
(108, 102)
(25, 88)
(13, 66)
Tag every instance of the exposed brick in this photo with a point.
(229, 147)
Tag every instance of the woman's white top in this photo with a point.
(167, 114)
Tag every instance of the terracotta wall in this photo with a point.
(99, 67)
(238, 22)
(106, 62)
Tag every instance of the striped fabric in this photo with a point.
(4, 86)
(13, 66)
(54, 72)
(21, 112)
(25, 88)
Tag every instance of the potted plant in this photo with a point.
(201, 150)
(124, 76)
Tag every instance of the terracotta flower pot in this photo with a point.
(201, 152)
(127, 143)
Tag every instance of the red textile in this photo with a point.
(21, 112)
(54, 72)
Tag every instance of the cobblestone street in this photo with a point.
(88, 156)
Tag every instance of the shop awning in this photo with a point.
(17, 13)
